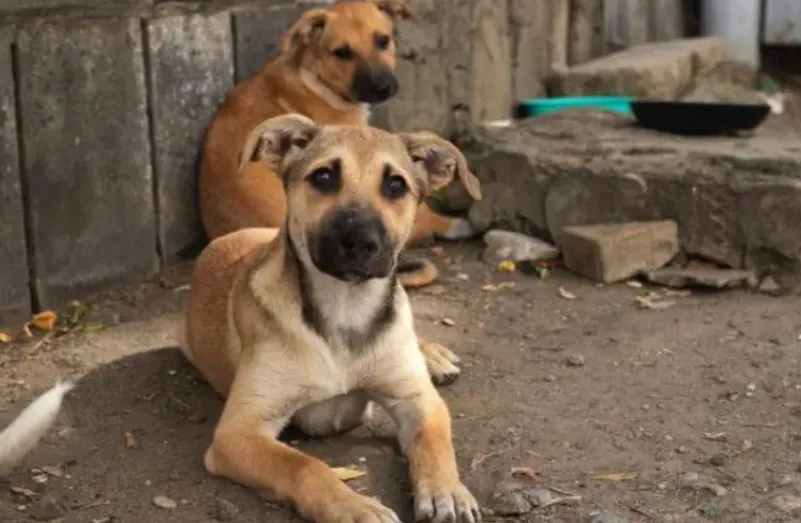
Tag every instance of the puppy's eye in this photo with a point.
(382, 41)
(394, 187)
(344, 53)
(325, 179)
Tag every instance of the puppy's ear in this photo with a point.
(274, 139)
(305, 30)
(440, 162)
(395, 9)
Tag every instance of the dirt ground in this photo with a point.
(690, 413)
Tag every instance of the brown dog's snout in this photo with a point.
(374, 84)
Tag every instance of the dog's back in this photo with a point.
(19, 438)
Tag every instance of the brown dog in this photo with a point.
(334, 63)
(307, 324)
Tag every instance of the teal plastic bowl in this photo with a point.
(540, 106)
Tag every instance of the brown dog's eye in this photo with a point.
(325, 180)
(382, 41)
(394, 187)
(344, 53)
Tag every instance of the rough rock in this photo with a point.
(163, 502)
(786, 503)
(604, 517)
(609, 253)
(258, 30)
(47, 508)
(225, 510)
(191, 70)
(86, 155)
(515, 246)
(15, 301)
(690, 277)
(657, 71)
(510, 503)
(737, 200)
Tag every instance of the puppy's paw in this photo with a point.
(459, 229)
(441, 505)
(441, 363)
(356, 508)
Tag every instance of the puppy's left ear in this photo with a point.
(441, 162)
(273, 140)
(303, 32)
(395, 9)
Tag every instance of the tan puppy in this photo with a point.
(334, 63)
(308, 324)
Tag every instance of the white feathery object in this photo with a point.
(19, 438)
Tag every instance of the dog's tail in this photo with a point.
(417, 273)
(19, 438)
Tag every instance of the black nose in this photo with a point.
(385, 85)
(374, 84)
(359, 244)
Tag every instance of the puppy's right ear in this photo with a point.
(304, 31)
(275, 139)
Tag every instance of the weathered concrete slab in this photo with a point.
(15, 301)
(657, 71)
(258, 31)
(191, 70)
(737, 200)
(86, 155)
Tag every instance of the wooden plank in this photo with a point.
(666, 20)
(625, 23)
(586, 30)
(560, 30)
(782, 22)
(531, 54)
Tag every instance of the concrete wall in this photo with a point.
(103, 106)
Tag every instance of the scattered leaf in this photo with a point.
(616, 476)
(56, 472)
(652, 302)
(22, 491)
(507, 266)
(677, 293)
(501, 286)
(4, 337)
(565, 294)
(45, 321)
(130, 440)
(448, 322)
(348, 473)
(634, 284)
(93, 327)
(437, 250)
(716, 436)
(524, 471)
(78, 311)
(25, 332)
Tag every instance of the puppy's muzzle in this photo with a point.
(353, 245)
(374, 85)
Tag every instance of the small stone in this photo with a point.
(785, 480)
(769, 286)
(165, 503)
(700, 277)
(224, 510)
(174, 476)
(751, 387)
(786, 502)
(510, 503)
(688, 479)
(603, 517)
(538, 497)
(681, 449)
(575, 360)
(718, 460)
(448, 322)
(517, 247)
(47, 508)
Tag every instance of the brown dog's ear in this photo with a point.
(396, 9)
(272, 140)
(441, 162)
(305, 30)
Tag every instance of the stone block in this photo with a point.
(191, 71)
(87, 162)
(657, 71)
(15, 301)
(610, 253)
(258, 31)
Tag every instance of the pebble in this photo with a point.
(510, 503)
(224, 510)
(538, 497)
(575, 360)
(515, 246)
(165, 503)
(174, 476)
(604, 517)
(47, 508)
(786, 502)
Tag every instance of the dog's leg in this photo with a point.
(441, 362)
(428, 224)
(246, 450)
(333, 416)
(424, 434)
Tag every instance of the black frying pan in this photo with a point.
(698, 118)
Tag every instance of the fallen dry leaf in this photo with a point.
(527, 472)
(78, 311)
(45, 321)
(653, 303)
(52, 471)
(130, 440)
(348, 473)
(616, 476)
(22, 491)
(565, 294)
(4, 337)
(92, 328)
(677, 293)
(507, 266)
(448, 322)
(716, 436)
(438, 251)
(501, 286)
(25, 332)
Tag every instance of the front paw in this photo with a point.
(356, 508)
(452, 505)
(441, 363)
